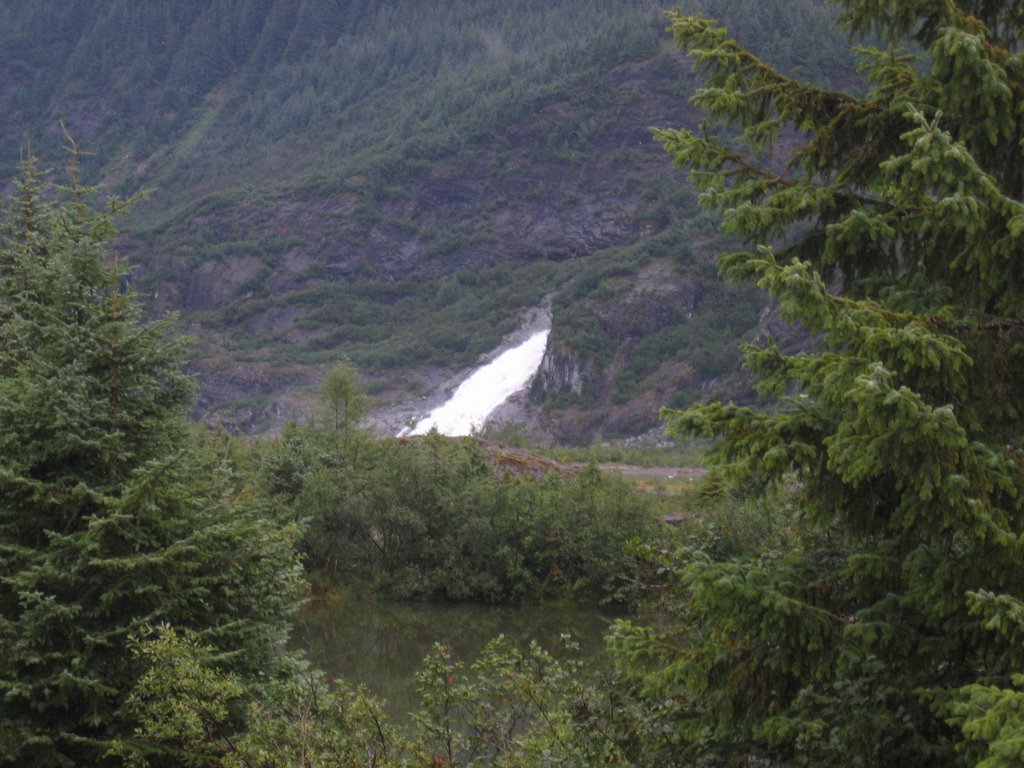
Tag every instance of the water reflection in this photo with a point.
(383, 644)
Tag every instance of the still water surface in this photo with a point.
(382, 645)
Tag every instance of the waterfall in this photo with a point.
(485, 389)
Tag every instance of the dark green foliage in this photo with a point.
(511, 706)
(225, 80)
(887, 631)
(989, 713)
(112, 515)
(431, 518)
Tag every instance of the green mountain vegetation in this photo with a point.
(394, 182)
(843, 589)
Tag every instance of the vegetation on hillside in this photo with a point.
(223, 82)
(390, 181)
(848, 591)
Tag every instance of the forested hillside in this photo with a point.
(395, 181)
(842, 588)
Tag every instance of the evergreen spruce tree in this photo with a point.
(891, 634)
(112, 520)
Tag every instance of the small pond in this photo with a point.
(382, 645)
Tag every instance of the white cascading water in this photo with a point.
(486, 388)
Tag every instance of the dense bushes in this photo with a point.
(511, 706)
(431, 518)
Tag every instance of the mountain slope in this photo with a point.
(395, 181)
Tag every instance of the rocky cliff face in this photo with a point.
(562, 372)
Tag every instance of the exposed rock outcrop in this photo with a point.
(561, 371)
